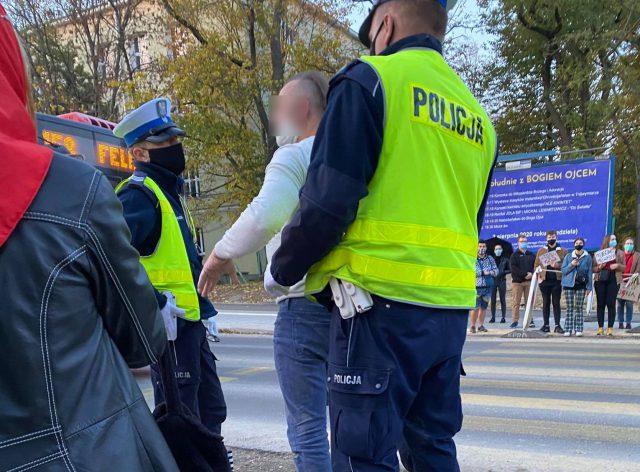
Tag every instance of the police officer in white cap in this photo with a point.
(163, 233)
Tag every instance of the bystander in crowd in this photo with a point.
(631, 266)
(486, 271)
(576, 281)
(500, 284)
(607, 279)
(522, 264)
(550, 281)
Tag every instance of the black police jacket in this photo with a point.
(77, 311)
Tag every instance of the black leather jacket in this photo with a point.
(77, 311)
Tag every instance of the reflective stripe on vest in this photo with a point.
(168, 268)
(415, 235)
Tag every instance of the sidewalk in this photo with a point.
(260, 318)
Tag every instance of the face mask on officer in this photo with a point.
(384, 32)
(170, 158)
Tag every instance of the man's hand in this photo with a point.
(529, 276)
(574, 262)
(272, 287)
(212, 270)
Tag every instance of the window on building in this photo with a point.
(192, 184)
(134, 53)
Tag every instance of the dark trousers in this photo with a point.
(499, 288)
(198, 381)
(607, 293)
(394, 384)
(551, 292)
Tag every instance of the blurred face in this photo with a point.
(613, 240)
(498, 250)
(289, 114)
(482, 249)
(552, 239)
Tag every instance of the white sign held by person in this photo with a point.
(549, 258)
(606, 255)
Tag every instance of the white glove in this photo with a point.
(272, 287)
(169, 314)
(211, 325)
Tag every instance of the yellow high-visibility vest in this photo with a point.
(415, 235)
(168, 268)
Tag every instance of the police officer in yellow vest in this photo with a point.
(163, 233)
(389, 219)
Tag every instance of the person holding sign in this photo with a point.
(577, 280)
(608, 266)
(549, 258)
(632, 266)
(521, 262)
(486, 270)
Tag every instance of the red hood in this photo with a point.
(23, 163)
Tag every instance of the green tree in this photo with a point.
(230, 57)
(562, 80)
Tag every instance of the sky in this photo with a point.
(463, 7)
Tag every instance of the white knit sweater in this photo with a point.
(262, 221)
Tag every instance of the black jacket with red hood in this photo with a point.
(76, 311)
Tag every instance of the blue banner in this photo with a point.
(573, 198)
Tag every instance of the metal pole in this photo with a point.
(531, 298)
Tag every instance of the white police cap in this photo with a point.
(149, 122)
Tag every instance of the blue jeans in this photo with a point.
(301, 350)
(625, 305)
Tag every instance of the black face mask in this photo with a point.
(551, 242)
(372, 49)
(170, 158)
(579, 247)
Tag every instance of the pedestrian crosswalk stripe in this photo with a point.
(555, 372)
(503, 458)
(561, 353)
(534, 403)
(552, 429)
(601, 344)
(555, 362)
(499, 385)
(251, 371)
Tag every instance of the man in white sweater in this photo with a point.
(301, 336)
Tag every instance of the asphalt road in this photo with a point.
(530, 405)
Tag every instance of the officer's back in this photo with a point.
(393, 203)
